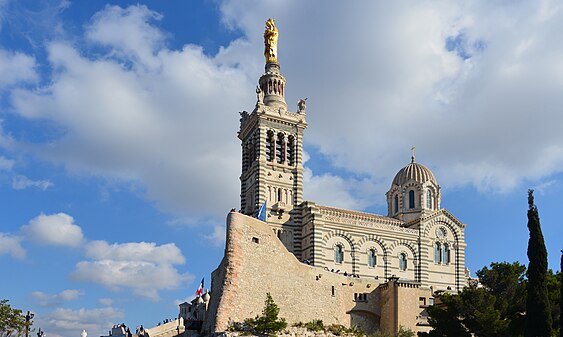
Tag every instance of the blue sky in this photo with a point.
(118, 119)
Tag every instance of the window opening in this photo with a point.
(446, 254)
(280, 149)
(372, 258)
(437, 252)
(411, 199)
(338, 254)
(396, 203)
(403, 262)
(270, 146)
(291, 150)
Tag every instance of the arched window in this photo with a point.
(429, 199)
(402, 261)
(270, 146)
(338, 254)
(396, 203)
(411, 199)
(280, 151)
(446, 254)
(291, 150)
(372, 258)
(279, 194)
(437, 252)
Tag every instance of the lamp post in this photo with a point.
(40, 333)
(28, 319)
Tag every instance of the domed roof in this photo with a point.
(414, 171)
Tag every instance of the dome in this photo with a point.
(414, 171)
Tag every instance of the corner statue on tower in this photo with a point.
(271, 42)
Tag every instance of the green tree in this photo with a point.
(496, 309)
(446, 318)
(538, 316)
(554, 294)
(561, 296)
(12, 321)
(268, 323)
(506, 282)
(472, 311)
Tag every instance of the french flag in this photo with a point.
(199, 290)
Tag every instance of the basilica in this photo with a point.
(378, 272)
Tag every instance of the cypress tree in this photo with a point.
(561, 296)
(538, 316)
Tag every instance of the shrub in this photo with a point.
(268, 323)
(336, 329)
(315, 325)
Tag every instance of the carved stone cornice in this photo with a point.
(363, 219)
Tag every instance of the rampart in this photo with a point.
(170, 329)
(256, 263)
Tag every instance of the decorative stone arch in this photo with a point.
(384, 249)
(457, 235)
(395, 190)
(417, 188)
(413, 250)
(441, 221)
(351, 242)
(405, 243)
(429, 186)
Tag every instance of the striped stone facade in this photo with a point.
(345, 267)
(417, 241)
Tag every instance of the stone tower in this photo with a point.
(272, 152)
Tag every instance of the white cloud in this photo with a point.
(106, 301)
(217, 236)
(11, 245)
(16, 68)
(164, 126)
(68, 322)
(475, 88)
(20, 182)
(128, 32)
(46, 300)
(143, 267)
(139, 251)
(331, 190)
(55, 229)
(6, 164)
(379, 78)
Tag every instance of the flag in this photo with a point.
(261, 214)
(199, 290)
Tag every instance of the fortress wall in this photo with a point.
(401, 305)
(170, 329)
(256, 262)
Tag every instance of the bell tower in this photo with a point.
(272, 151)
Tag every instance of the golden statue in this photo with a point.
(271, 42)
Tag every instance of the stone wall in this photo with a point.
(256, 263)
(170, 329)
